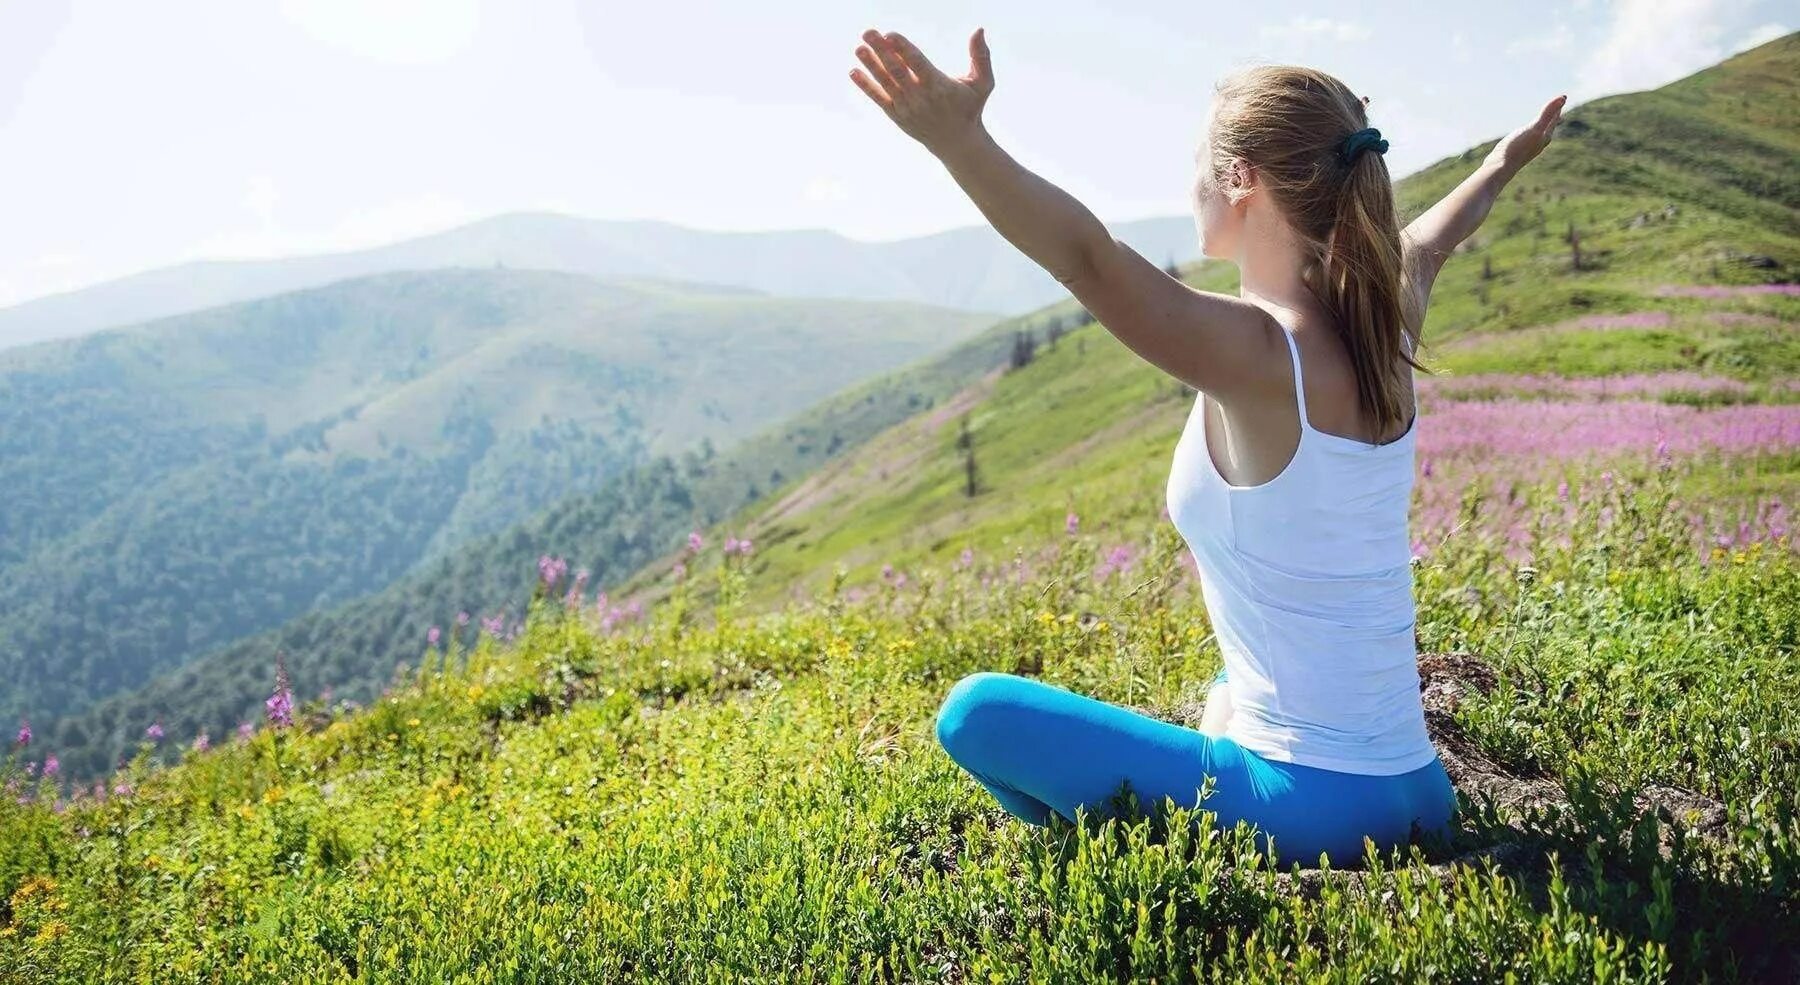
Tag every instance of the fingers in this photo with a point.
(910, 55)
(879, 70)
(981, 61)
(1552, 113)
(875, 92)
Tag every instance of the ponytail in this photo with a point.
(1360, 282)
(1308, 138)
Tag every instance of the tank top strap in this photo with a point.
(1299, 381)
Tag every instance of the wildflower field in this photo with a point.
(699, 792)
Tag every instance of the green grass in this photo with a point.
(1753, 353)
(716, 796)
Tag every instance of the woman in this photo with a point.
(1290, 482)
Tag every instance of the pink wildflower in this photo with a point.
(280, 705)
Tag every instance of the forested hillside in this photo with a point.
(178, 485)
(353, 648)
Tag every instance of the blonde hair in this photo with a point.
(1288, 122)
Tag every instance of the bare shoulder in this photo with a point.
(1222, 345)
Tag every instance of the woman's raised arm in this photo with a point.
(1216, 343)
(1431, 238)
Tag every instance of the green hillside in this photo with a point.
(353, 647)
(1092, 428)
(178, 485)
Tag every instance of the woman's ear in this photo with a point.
(1239, 181)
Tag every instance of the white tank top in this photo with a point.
(1308, 582)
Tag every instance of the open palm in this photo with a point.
(1517, 149)
(931, 107)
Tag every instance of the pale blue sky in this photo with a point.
(135, 135)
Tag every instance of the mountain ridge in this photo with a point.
(970, 268)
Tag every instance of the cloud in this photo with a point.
(826, 189)
(403, 32)
(1650, 43)
(1301, 28)
(1759, 36)
(1459, 47)
(1559, 40)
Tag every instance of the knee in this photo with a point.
(968, 709)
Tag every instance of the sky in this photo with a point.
(137, 135)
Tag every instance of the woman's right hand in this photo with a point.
(931, 107)
(1517, 149)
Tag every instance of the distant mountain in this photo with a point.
(972, 268)
(174, 486)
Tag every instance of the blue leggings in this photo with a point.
(1040, 748)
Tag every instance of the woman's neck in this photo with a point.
(1269, 272)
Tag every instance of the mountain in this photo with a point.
(353, 647)
(971, 268)
(1086, 417)
(180, 484)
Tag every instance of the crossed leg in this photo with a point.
(1040, 749)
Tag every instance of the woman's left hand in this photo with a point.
(933, 108)
(1518, 148)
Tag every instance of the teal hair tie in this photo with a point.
(1368, 138)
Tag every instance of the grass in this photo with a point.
(714, 794)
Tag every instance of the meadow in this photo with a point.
(694, 790)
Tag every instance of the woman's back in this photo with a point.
(1308, 582)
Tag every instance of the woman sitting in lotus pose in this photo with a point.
(1291, 480)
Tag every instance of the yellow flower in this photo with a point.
(1046, 616)
(412, 723)
(1739, 557)
(272, 794)
(475, 691)
(31, 887)
(393, 736)
(1100, 625)
(246, 812)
